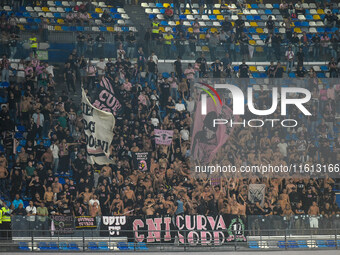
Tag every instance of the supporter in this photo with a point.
(177, 7)
(290, 59)
(169, 13)
(330, 19)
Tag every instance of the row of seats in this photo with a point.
(92, 246)
(91, 15)
(294, 244)
(218, 6)
(71, 3)
(79, 28)
(60, 9)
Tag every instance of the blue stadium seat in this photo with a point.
(103, 246)
(122, 246)
(276, 6)
(324, 68)
(22, 9)
(253, 245)
(321, 243)
(30, 20)
(252, 30)
(263, 75)
(102, 29)
(250, 17)
(292, 75)
(95, 15)
(182, 16)
(58, 3)
(152, 16)
(297, 23)
(65, 28)
(19, 14)
(113, 10)
(141, 246)
(320, 29)
(320, 75)
(165, 75)
(162, 11)
(80, 29)
(212, 17)
(73, 247)
(22, 142)
(309, 17)
(131, 246)
(68, 9)
(305, 23)
(254, 6)
(23, 246)
(92, 246)
(54, 246)
(236, 68)
(282, 244)
(302, 243)
(292, 244)
(164, 23)
(57, 15)
(159, 5)
(26, 14)
(331, 243)
(43, 246)
(117, 16)
(268, 12)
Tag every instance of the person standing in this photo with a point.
(91, 71)
(4, 64)
(69, 77)
(6, 222)
(38, 123)
(290, 59)
(55, 153)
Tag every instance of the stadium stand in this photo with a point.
(150, 55)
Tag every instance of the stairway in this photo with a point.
(139, 19)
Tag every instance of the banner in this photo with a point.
(85, 222)
(98, 126)
(62, 224)
(107, 101)
(192, 229)
(163, 137)
(141, 161)
(256, 193)
(115, 226)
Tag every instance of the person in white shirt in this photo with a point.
(290, 59)
(154, 57)
(180, 107)
(101, 65)
(283, 147)
(93, 200)
(55, 152)
(31, 212)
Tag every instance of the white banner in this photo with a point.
(99, 127)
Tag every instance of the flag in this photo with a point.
(98, 126)
(107, 99)
(163, 137)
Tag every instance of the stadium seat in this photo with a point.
(24, 246)
(122, 246)
(141, 246)
(302, 243)
(92, 246)
(103, 246)
(253, 245)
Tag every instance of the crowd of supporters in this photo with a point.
(44, 148)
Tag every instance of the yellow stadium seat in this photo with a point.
(248, 6)
(187, 12)
(216, 12)
(253, 24)
(259, 30)
(190, 30)
(45, 9)
(110, 29)
(21, 27)
(253, 69)
(316, 17)
(284, 68)
(162, 29)
(320, 11)
(205, 48)
(99, 10)
(202, 36)
(219, 17)
(57, 28)
(213, 30)
(292, 24)
(252, 42)
(297, 30)
(165, 5)
(259, 49)
(60, 21)
(177, 22)
(233, 23)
